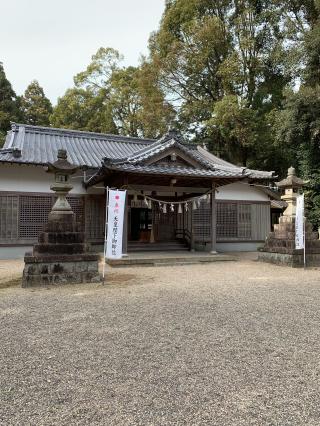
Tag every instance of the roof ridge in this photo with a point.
(94, 135)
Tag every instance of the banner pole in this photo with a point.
(304, 242)
(105, 234)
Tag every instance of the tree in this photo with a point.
(237, 124)
(211, 54)
(191, 44)
(156, 113)
(86, 106)
(9, 105)
(129, 97)
(82, 109)
(297, 125)
(138, 106)
(36, 107)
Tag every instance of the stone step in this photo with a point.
(168, 260)
(157, 248)
(135, 246)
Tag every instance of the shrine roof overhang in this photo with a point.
(109, 170)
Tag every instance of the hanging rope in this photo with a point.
(188, 200)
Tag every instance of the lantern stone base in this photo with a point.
(280, 249)
(292, 260)
(56, 270)
(61, 256)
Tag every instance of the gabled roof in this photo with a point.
(38, 145)
(173, 170)
(168, 141)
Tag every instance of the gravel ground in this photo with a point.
(215, 344)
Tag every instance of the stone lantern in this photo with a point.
(290, 185)
(280, 246)
(62, 170)
(61, 256)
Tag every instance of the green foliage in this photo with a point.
(97, 75)
(238, 126)
(35, 106)
(82, 109)
(216, 55)
(9, 105)
(137, 105)
(297, 127)
(115, 99)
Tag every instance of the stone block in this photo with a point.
(61, 255)
(81, 266)
(44, 269)
(31, 269)
(93, 267)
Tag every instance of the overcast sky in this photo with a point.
(52, 40)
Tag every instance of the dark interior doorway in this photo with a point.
(141, 223)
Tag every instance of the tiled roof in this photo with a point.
(39, 145)
(27, 144)
(174, 170)
(162, 145)
(278, 204)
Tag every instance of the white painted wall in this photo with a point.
(34, 179)
(240, 191)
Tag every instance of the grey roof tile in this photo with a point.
(39, 145)
(169, 170)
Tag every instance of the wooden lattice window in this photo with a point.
(234, 221)
(202, 222)
(244, 221)
(95, 217)
(9, 205)
(22, 217)
(33, 212)
(227, 220)
(77, 205)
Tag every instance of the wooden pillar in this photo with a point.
(192, 242)
(213, 221)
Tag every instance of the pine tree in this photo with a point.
(36, 107)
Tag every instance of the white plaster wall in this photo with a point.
(240, 191)
(34, 179)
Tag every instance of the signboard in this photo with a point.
(299, 230)
(115, 207)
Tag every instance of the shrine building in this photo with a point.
(179, 196)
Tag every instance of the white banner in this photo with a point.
(299, 234)
(116, 207)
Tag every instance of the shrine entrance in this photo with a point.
(164, 224)
(140, 224)
(170, 201)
